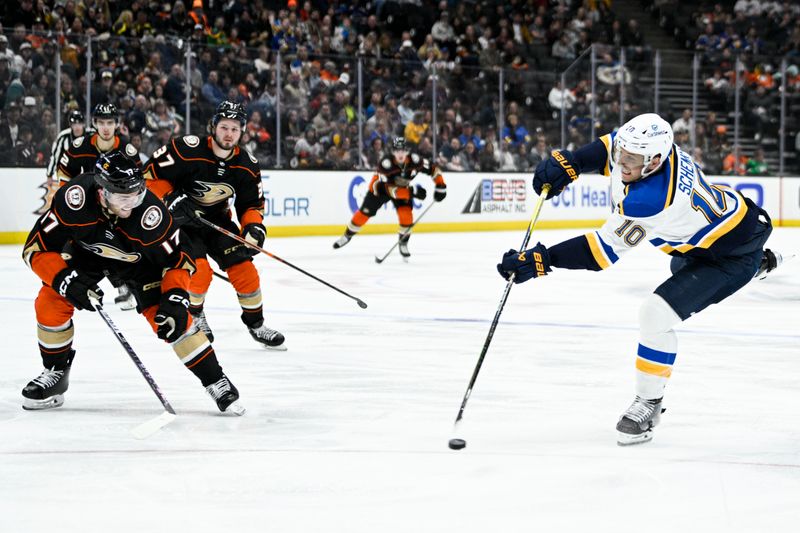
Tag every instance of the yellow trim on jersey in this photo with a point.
(718, 232)
(597, 251)
(673, 173)
(622, 202)
(654, 369)
(606, 139)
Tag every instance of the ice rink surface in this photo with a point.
(347, 431)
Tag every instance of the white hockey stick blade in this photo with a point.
(150, 427)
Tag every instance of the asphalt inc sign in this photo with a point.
(498, 195)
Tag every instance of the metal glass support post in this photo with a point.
(657, 84)
(695, 77)
(278, 110)
(434, 110)
(782, 129)
(360, 113)
(188, 87)
(88, 79)
(593, 59)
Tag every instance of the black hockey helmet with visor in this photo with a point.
(229, 110)
(105, 111)
(120, 180)
(75, 117)
(399, 149)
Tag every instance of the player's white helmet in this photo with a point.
(648, 135)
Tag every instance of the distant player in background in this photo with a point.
(392, 183)
(196, 178)
(108, 222)
(82, 155)
(65, 138)
(715, 235)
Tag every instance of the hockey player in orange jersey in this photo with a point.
(196, 177)
(392, 183)
(102, 223)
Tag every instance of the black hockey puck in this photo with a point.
(457, 444)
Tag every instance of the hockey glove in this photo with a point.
(525, 265)
(77, 288)
(559, 170)
(183, 210)
(440, 193)
(419, 192)
(254, 234)
(172, 317)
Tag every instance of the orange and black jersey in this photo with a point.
(147, 240)
(396, 176)
(82, 154)
(188, 165)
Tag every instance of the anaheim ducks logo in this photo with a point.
(111, 252)
(211, 193)
(75, 197)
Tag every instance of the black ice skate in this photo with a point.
(227, 396)
(125, 300)
(403, 247)
(268, 337)
(341, 241)
(199, 319)
(46, 391)
(636, 424)
(770, 262)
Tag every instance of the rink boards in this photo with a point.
(321, 203)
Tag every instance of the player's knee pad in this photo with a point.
(656, 322)
(52, 309)
(361, 217)
(244, 277)
(404, 215)
(656, 316)
(201, 279)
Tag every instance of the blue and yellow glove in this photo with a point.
(525, 265)
(559, 170)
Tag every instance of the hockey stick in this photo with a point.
(151, 426)
(220, 276)
(460, 443)
(380, 260)
(237, 238)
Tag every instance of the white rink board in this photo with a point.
(309, 203)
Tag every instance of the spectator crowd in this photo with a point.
(327, 84)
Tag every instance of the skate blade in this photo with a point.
(38, 405)
(278, 348)
(406, 258)
(150, 427)
(236, 409)
(128, 304)
(626, 439)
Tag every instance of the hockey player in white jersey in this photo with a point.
(715, 235)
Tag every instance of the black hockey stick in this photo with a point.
(237, 238)
(220, 276)
(151, 426)
(457, 444)
(380, 260)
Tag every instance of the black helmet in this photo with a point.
(231, 110)
(105, 111)
(117, 173)
(399, 143)
(75, 116)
